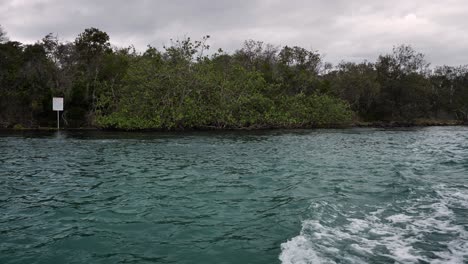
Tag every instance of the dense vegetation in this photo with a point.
(185, 86)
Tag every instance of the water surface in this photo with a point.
(305, 196)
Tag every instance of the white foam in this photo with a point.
(393, 236)
(399, 218)
(299, 250)
(357, 225)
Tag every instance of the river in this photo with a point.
(281, 196)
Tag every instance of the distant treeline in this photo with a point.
(183, 86)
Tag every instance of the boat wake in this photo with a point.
(429, 229)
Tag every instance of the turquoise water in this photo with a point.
(305, 196)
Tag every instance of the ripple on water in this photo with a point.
(426, 229)
(368, 196)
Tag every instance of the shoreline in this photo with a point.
(379, 124)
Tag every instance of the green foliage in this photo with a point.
(184, 86)
(404, 85)
(357, 84)
(18, 127)
(450, 91)
(181, 89)
(91, 43)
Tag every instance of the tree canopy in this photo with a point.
(186, 86)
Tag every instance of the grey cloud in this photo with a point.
(349, 30)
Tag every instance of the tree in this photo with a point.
(357, 84)
(404, 84)
(11, 105)
(258, 56)
(88, 52)
(3, 35)
(298, 70)
(450, 91)
(184, 86)
(92, 43)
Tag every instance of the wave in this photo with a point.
(427, 229)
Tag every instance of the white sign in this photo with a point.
(57, 103)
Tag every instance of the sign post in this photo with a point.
(57, 105)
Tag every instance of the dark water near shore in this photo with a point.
(305, 196)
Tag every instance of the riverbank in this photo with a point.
(376, 124)
(414, 123)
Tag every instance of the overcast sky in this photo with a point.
(339, 29)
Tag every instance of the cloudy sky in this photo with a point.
(339, 29)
